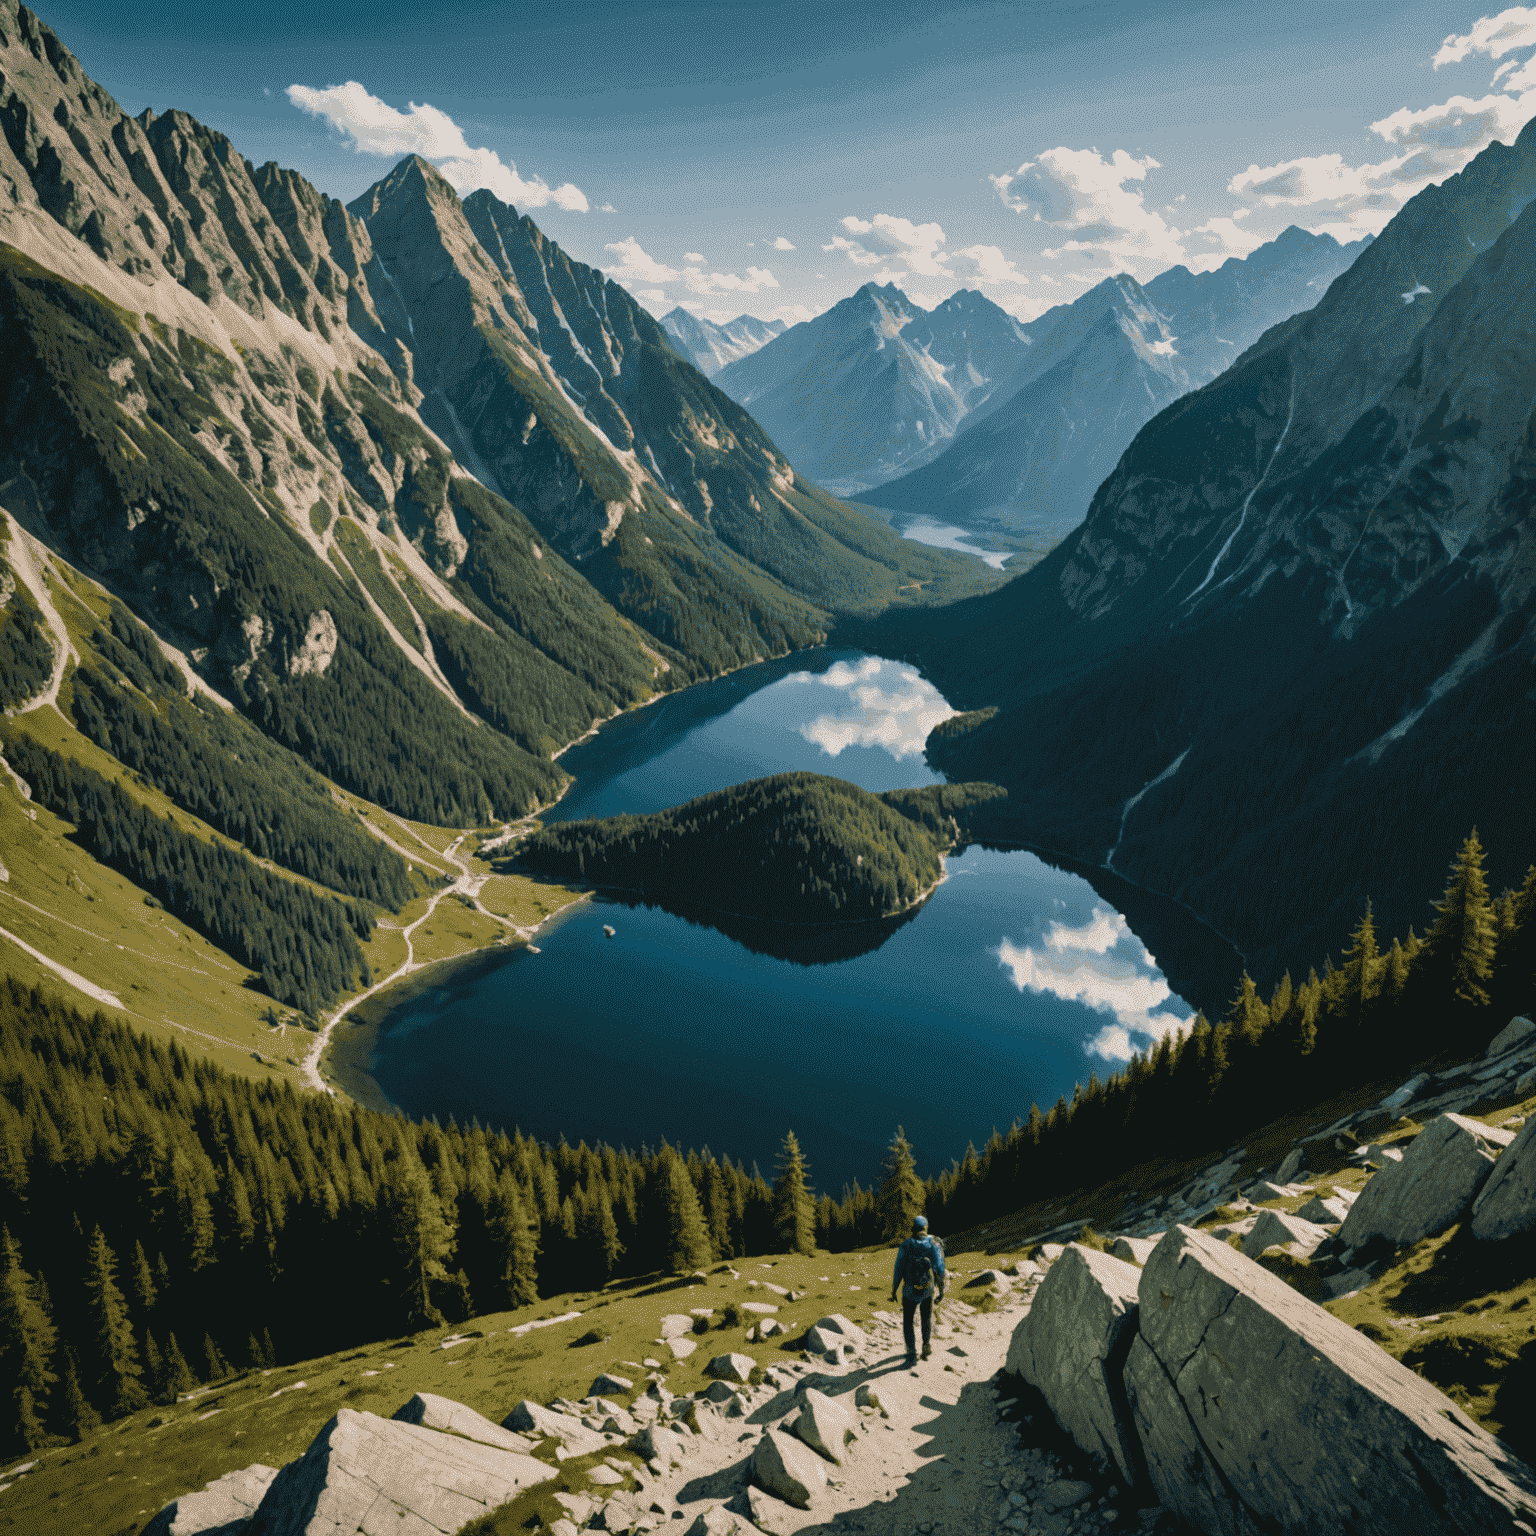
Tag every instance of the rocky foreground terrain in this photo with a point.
(1176, 1380)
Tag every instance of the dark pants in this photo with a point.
(910, 1304)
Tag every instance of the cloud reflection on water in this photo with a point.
(889, 706)
(1103, 965)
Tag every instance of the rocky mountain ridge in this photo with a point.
(1032, 454)
(708, 346)
(877, 383)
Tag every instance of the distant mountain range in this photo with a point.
(1287, 662)
(965, 416)
(876, 384)
(1030, 457)
(709, 347)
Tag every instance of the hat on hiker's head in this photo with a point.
(919, 1223)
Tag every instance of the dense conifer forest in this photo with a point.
(794, 847)
(303, 946)
(217, 766)
(165, 1222)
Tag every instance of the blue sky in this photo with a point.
(771, 158)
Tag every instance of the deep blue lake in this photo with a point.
(1012, 983)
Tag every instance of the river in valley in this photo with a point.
(1010, 984)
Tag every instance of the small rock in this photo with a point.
(653, 1443)
(681, 1348)
(1328, 1210)
(433, 1412)
(731, 1367)
(1133, 1250)
(1290, 1165)
(1064, 1493)
(675, 1324)
(1299, 1238)
(605, 1384)
(605, 1477)
(564, 1528)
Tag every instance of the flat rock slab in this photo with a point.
(1259, 1411)
(433, 1412)
(605, 1384)
(1433, 1186)
(1298, 1237)
(531, 1418)
(682, 1347)
(370, 1475)
(1507, 1204)
(220, 1509)
(1072, 1344)
(1518, 1029)
(676, 1323)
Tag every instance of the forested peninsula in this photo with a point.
(795, 847)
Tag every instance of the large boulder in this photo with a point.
(531, 1418)
(1259, 1411)
(433, 1412)
(657, 1444)
(787, 1469)
(1298, 1237)
(1072, 1344)
(223, 1508)
(833, 1330)
(1444, 1167)
(1517, 1031)
(1507, 1204)
(367, 1474)
(824, 1425)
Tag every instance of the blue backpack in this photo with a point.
(919, 1265)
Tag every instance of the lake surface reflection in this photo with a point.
(1009, 985)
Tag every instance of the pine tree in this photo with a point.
(901, 1196)
(268, 1353)
(154, 1368)
(794, 1212)
(216, 1367)
(178, 1379)
(423, 1239)
(26, 1343)
(687, 1240)
(112, 1363)
(1462, 942)
(76, 1417)
(514, 1239)
(141, 1284)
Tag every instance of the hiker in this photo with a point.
(920, 1262)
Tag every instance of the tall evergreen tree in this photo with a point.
(215, 1366)
(141, 1288)
(901, 1194)
(423, 1238)
(514, 1237)
(794, 1211)
(111, 1365)
(26, 1345)
(75, 1415)
(687, 1239)
(1462, 942)
(178, 1377)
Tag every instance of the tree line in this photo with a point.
(303, 945)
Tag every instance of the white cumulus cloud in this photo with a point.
(1103, 965)
(1100, 204)
(781, 244)
(1492, 35)
(692, 256)
(376, 128)
(990, 265)
(886, 705)
(1229, 237)
(635, 266)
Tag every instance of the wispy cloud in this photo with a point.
(635, 267)
(1492, 35)
(376, 128)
